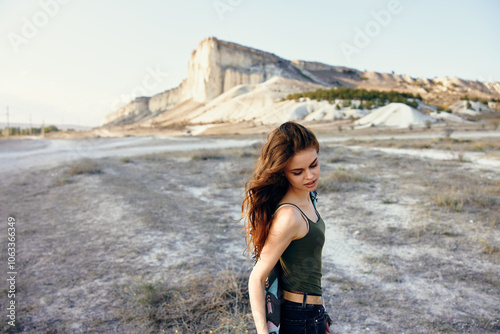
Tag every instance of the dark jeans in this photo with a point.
(298, 320)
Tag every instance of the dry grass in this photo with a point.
(233, 153)
(418, 265)
(489, 248)
(466, 193)
(84, 166)
(450, 199)
(444, 143)
(181, 125)
(340, 180)
(208, 155)
(205, 303)
(81, 167)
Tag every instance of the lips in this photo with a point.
(310, 184)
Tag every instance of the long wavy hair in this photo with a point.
(268, 183)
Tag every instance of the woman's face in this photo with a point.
(302, 171)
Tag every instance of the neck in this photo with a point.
(298, 196)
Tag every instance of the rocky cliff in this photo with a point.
(216, 67)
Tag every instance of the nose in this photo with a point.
(309, 174)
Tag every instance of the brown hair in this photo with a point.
(268, 183)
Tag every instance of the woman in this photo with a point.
(283, 225)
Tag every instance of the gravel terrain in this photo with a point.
(413, 243)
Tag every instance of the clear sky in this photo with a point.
(75, 61)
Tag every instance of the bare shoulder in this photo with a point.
(288, 220)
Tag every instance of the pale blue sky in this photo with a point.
(85, 58)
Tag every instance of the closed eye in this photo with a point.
(314, 165)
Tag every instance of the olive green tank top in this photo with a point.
(301, 261)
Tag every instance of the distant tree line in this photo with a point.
(14, 131)
(476, 99)
(369, 98)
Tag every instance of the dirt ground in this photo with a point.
(340, 128)
(413, 244)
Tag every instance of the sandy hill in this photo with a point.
(471, 108)
(396, 115)
(232, 83)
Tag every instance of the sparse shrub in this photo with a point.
(337, 180)
(154, 157)
(366, 105)
(85, 166)
(467, 194)
(335, 159)
(341, 175)
(413, 104)
(386, 200)
(461, 156)
(125, 160)
(478, 147)
(208, 155)
(449, 200)
(61, 181)
(247, 154)
(428, 124)
(208, 303)
(424, 145)
(488, 248)
(181, 125)
(342, 93)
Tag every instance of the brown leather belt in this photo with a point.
(298, 297)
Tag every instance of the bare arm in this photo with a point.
(286, 226)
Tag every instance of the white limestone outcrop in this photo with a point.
(129, 113)
(216, 67)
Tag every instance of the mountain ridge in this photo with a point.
(216, 67)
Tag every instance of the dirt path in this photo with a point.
(399, 264)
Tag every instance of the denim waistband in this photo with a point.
(309, 309)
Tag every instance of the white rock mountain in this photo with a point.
(228, 82)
